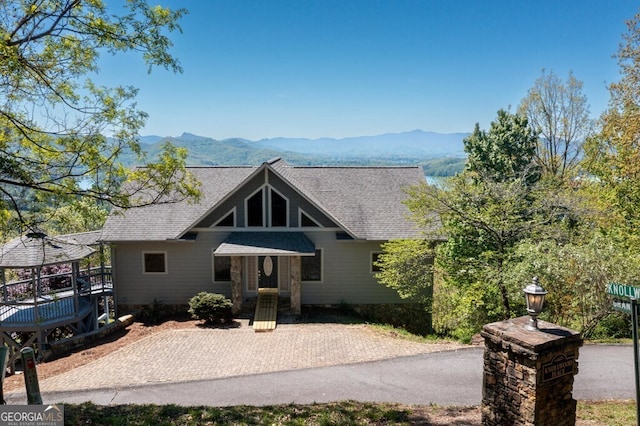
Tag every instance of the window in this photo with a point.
(267, 203)
(311, 267)
(278, 209)
(306, 221)
(221, 268)
(228, 220)
(255, 216)
(154, 262)
(374, 259)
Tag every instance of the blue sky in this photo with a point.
(340, 68)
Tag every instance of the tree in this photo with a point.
(407, 267)
(612, 156)
(559, 113)
(484, 213)
(505, 152)
(575, 274)
(54, 120)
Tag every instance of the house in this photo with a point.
(309, 234)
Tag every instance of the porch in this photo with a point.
(266, 263)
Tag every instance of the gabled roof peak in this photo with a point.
(274, 161)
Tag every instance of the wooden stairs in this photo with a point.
(266, 310)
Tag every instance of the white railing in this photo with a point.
(54, 296)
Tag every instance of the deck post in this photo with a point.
(4, 286)
(102, 279)
(74, 284)
(35, 282)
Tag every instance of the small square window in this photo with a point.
(155, 263)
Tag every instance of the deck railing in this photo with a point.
(21, 305)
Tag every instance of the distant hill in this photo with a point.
(440, 154)
(418, 144)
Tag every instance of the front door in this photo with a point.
(267, 272)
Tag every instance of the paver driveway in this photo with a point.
(200, 354)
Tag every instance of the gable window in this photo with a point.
(311, 267)
(278, 209)
(307, 221)
(374, 259)
(221, 268)
(255, 214)
(267, 207)
(228, 220)
(154, 262)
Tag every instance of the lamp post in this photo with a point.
(534, 294)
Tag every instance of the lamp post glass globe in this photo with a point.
(534, 295)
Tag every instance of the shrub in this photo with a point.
(212, 308)
(154, 313)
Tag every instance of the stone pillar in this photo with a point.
(528, 375)
(296, 308)
(236, 284)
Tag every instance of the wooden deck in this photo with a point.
(266, 311)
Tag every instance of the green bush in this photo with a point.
(212, 308)
(615, 325)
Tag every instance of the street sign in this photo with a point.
(629, 304)
(622, 306)
(621, 290)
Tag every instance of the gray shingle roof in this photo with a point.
(168, 221)
(35, 251)
(365, 201)
(266, 243)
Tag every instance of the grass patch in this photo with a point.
(343, 413)
(610, 413)
(398, 332)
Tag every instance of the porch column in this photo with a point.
(236, 283)
(295, 285)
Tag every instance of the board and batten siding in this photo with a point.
(189, 271)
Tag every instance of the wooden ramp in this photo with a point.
(266, 311)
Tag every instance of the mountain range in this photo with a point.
(443, 152)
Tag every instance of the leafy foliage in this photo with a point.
(482, 215)
(575, 274)
(407, 267)
(612, 156)
(505, 152)
(212, 308)
(559, 113)
(53, 117)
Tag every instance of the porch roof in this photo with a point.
(35, 250)
(266, 244)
